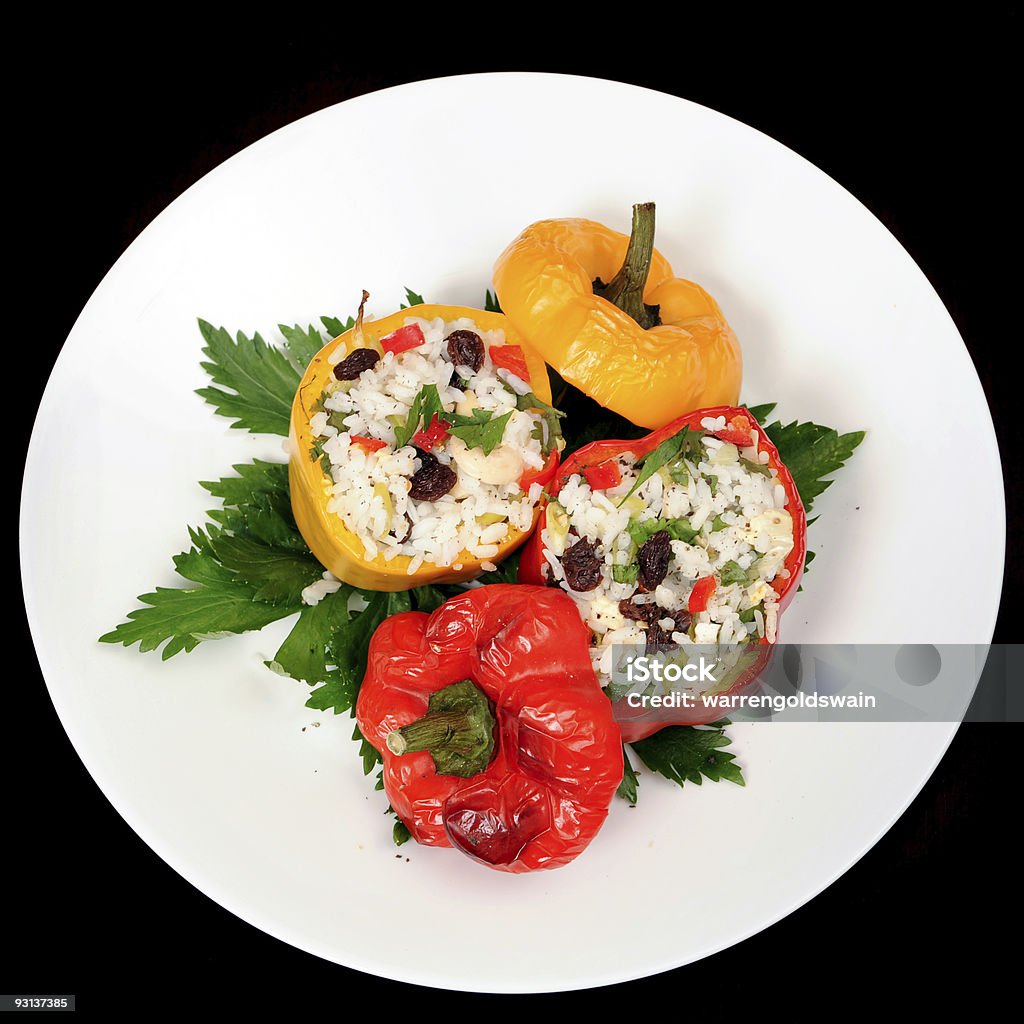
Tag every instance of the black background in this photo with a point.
(913, 119)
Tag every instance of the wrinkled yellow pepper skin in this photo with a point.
(692, 360)
(334, 545)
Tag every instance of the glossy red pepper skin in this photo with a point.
(739, 424)
(558, 761)
(543, 475)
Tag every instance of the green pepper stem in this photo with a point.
(457, 731)
(626, 288)
(432, 731)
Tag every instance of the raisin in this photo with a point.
(653, 559)
(432, 480)
(639, 612)
(582, 566)
(465, 348)
(355, 362)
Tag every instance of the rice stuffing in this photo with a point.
(687, 557)
(425, 447)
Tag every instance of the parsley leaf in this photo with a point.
(626, 573)
(400, 833)
(218, 606)
(412, 299)
(628, 785)
(276, 574)
(301, 344)
(549, 430)
(335, 327)
(811, 452)
(731, 573)
(424, 407)
(685, 753)
(257, 504)
(347, 643)
(491, 302)
(761, 412)
(261, 378)
(481, 430)
(677, 446)
(305, 653)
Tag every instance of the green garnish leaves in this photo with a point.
(685, 753)
(810, 452)
(302, 344)
(719, 524)
(677, 447)
(275, 574)
(261, 378)
(491, 302)
(628, 786)
(347, 643)
(412, 299)
(482, 430)
(305, 653)
(761, 412)
(549, 430)
(425, 406)
(335, 327)
(400, 833)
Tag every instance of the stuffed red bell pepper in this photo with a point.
(495, 734)
(694, 534)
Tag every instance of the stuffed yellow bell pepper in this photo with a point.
(607, 312)
(352, 495)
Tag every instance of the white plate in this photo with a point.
(205, 756)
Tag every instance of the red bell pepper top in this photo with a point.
(405, 338)
(511, 358)
(558, 754)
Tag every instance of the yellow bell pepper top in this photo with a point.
(337, 547)
(682, 356)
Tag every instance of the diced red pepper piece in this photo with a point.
(540, 476)
(737, 432)
(701, 594)
(371, 444)
(603, 475)
(403, 339)
(435, 434)
(511, 358)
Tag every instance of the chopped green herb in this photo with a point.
(625, 573)
(731, 573)
(671, 449)
(640, 530)
(424, 407)
(481, 430)
(755, 467)
(719, 524)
